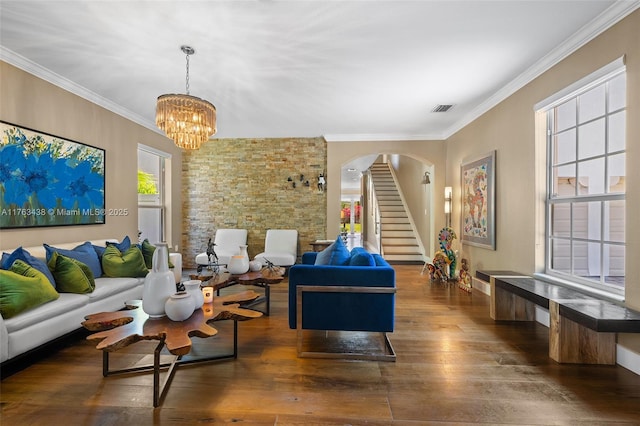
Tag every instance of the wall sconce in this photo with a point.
(448, 193)
(322, 182)
(426, 180)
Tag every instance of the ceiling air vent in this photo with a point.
(442, 108)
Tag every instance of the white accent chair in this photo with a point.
(280, 247)
(227, 243)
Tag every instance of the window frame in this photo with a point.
(551, 199)
(160, 206)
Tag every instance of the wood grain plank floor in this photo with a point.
(455, 366)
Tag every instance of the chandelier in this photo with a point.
(187, 120)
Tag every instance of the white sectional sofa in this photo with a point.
(40, 325)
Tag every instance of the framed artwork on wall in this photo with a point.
(46, 180)
(478, 201)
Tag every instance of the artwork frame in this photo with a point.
(477, 181)
(47, 180)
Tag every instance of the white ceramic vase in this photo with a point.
(179, 306)
(239, 263)
(193, 288)
(159, 284)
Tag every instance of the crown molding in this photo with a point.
(43, 73)
(380, 137)
(597, 26)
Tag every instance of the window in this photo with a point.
(151, 197)
(585, 204)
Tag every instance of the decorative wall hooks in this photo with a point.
(301, 180)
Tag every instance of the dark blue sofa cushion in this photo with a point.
(343, 311)
(360, 257)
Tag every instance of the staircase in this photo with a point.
(399, 243)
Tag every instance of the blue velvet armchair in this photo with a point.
(342, 297)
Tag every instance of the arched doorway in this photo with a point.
(359, 212)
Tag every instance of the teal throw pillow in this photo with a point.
(336, 254)
(128, 264)
(379, 260)
(84, 253)
(360, 257)
(23, 287)
(72, 276)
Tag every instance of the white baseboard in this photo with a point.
(628, 359)
(542, 316)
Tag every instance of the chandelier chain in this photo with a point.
(187, 79)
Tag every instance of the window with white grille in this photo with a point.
(152, 208)
(585, 203)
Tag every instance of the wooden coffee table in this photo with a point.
(258, 279)
(116, 330)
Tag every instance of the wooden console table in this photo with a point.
(116, 330)
(319, 245)
(487, 280)
(582, 327)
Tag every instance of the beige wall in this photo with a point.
(429, 153)
(509, 129)
(34, 103)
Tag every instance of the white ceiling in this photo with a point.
(345, 70)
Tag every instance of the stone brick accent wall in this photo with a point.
(242, 183)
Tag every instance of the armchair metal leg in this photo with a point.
(389, 353)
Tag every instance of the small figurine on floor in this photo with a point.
(439, 270)
(446, 237)
(464, 279)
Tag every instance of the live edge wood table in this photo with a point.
(262, 279)
(116, 330)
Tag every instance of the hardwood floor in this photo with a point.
(454, 366)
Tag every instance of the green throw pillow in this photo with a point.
(23, 287)
(147, 251)
(127, 264)
(72, 276)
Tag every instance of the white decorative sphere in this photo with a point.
(255, 265)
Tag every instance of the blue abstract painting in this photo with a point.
(49, 181)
